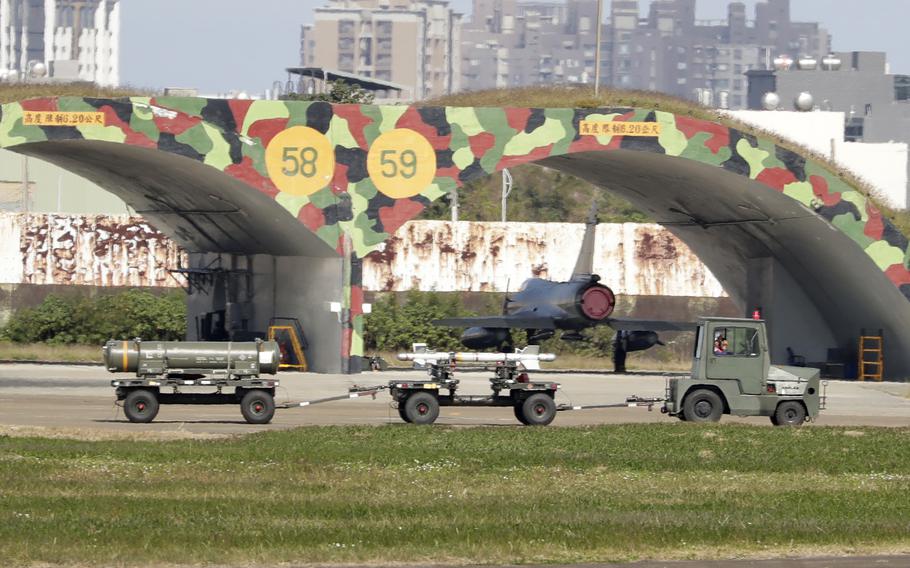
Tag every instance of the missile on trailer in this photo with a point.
(529, 358)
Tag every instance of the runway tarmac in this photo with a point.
(77, 398)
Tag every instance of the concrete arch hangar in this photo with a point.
(305, 190)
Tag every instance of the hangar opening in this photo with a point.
(249, 259)
(812, 284)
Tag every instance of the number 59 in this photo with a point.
(404, 165)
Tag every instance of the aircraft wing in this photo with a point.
(630, 324)
(517, 321)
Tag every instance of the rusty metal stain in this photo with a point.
(95, 250)
(634, 259)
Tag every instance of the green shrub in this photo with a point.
(69, 320)
(394, 325)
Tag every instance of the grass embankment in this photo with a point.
(53, 353)
(447, 495)
(22, 91)
(583, 97)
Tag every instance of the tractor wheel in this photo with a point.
(789, 413)
(520, 413)
(421, 408)
(257, 407)
(703, 405)
(538, 409)
(141, 406)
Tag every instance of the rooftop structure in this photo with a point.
(318, 79)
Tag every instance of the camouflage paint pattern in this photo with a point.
(233, 136)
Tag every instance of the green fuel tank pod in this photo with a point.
(159, 357)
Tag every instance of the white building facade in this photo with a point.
(77, 40)
(883, 166)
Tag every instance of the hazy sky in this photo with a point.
(222, 45)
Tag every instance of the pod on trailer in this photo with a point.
(173, 365)
(155, 358)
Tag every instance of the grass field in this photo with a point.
(45, 352)
(455, 495)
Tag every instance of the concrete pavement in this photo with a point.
(76, 397)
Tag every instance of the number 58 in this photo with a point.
(299, 161)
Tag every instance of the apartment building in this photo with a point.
(413, 43)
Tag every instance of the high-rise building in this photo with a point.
(511, 43)
(413, 43)
(527, 42)
(672, 52)
(77, 40)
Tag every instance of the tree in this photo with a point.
(340, 92)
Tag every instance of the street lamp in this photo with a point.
(600, 9)
(506, 190)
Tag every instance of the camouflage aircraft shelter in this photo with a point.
(296, 194)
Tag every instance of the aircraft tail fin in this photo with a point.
(585, 263)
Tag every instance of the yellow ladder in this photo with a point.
(283, 333)
(871, 360)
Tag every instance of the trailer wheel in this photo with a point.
(402, 413)
(538, 409)
(702, 405)
(141, 406)
(421, 408)
(257, 406)
(520, 413)
(789, 413)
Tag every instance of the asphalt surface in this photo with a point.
(80, 398)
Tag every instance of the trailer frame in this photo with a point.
(141, 397)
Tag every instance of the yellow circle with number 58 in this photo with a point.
(300, 160)
(401, 163)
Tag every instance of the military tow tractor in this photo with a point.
(732, 374)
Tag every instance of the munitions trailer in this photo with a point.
(163, 369)
(418, 401)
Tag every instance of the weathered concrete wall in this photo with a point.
(94, 250)
(633, 259)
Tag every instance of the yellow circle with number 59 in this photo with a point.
(401, 163)
(300, 160)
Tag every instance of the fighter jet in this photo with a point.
(540, 307)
